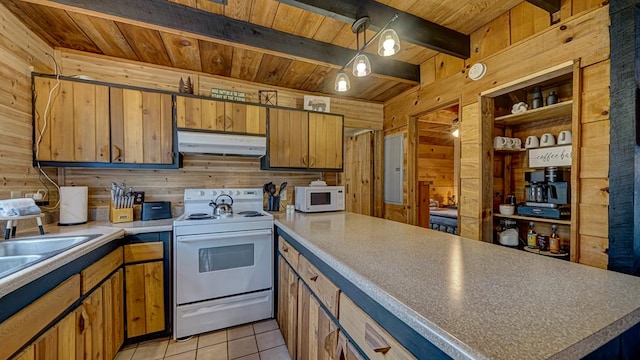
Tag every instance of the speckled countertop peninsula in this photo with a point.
(109, 233)
(473, 299)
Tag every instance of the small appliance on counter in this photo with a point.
(156, 210)
(74, 202)
(319, 198)
(547, 194)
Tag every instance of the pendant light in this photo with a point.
(361, 66)
(342, 82)
(389, 45)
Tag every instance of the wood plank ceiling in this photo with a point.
(66, 26)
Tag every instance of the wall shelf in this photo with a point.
(533, 218)
(554, 111)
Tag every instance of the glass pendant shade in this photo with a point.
(389, 43)
(342, 82)
(361, 66)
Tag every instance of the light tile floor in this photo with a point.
(258, 341)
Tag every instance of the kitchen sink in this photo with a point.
(9, 264)
(18, 254)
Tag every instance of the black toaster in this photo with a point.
(156, 210)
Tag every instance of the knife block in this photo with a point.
(120, 215)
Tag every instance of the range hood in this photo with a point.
(192, 142)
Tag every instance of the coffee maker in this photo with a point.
(547, 194)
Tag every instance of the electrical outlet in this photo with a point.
(138, 197)
(283, 194)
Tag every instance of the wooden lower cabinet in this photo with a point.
(288, 305)
(369, 335)
(94, 330)
(317, 333)
(145, 298)
(346, 350)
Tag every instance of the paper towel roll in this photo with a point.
(74, 201)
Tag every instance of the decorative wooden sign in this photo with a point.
(317, 103)
(550, 156)
(227, 95)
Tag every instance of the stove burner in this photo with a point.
(251, 213)
(199, 216)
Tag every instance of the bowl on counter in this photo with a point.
(507, 209)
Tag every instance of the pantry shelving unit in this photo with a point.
(504, 174)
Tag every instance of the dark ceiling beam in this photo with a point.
(168, 15)
(409, 27)
(550, 6)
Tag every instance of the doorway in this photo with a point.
(438, 169)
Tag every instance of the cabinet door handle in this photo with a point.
(304, 160)
(374, 340)
(313, 277)
(117, 154)
(329, 343)
(285, 248)
(312, 161)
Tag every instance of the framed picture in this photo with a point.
(317, 103)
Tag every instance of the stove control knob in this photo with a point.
(213, 193)
(201, 193)
(238, 193)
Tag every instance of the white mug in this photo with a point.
(499, 142)
(564, 137)
(532, 142)
(517, 143)
(547, 140)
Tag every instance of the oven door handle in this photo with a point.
(197, 238)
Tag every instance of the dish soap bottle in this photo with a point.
(531, 236)
(554, 240)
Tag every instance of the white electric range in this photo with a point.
(222, 266)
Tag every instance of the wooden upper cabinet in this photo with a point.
(325, 141)
(245, 118)
(73, 125)
(200, 114)
(288, 138)
(215, 115)
(141, 127)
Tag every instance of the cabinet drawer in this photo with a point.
(95, 273)
(143, 252)
(288, 252)
(324, 289)
(371, 337)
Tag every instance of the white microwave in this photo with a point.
(319, 198)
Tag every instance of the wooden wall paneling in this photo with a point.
(411, 171)
(593, 251)
(596, 95)
(122, 71)
(584, 5)
(447, 65)
(378, 173)
(215, 58)
(575, 248)
(428, 71)
(579, 37)
(486, 161)
(245, 64)
(296, 73)
(490, 38)
(19, 43)
(526, 20)
(272, 69)
(133, 151)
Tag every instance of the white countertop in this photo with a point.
(473, 300)
(109, 230)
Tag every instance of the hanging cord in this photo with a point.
(41, 132)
